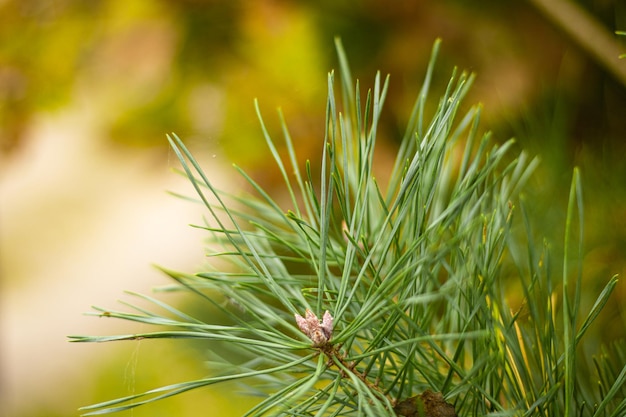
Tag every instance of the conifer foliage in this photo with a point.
(368, 299)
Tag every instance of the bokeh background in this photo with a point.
(88, 90)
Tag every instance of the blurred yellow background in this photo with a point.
(88, 90)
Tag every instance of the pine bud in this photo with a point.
(319, 333)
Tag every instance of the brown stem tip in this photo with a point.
(428, 404)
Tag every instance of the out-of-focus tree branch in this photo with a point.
(587, 32)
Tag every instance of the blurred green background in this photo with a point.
(88, 90)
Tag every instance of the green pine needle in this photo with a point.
(417, 275)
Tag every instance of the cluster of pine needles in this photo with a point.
(430, 283)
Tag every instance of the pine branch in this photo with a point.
(379, 300)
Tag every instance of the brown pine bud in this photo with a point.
(319, 333)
